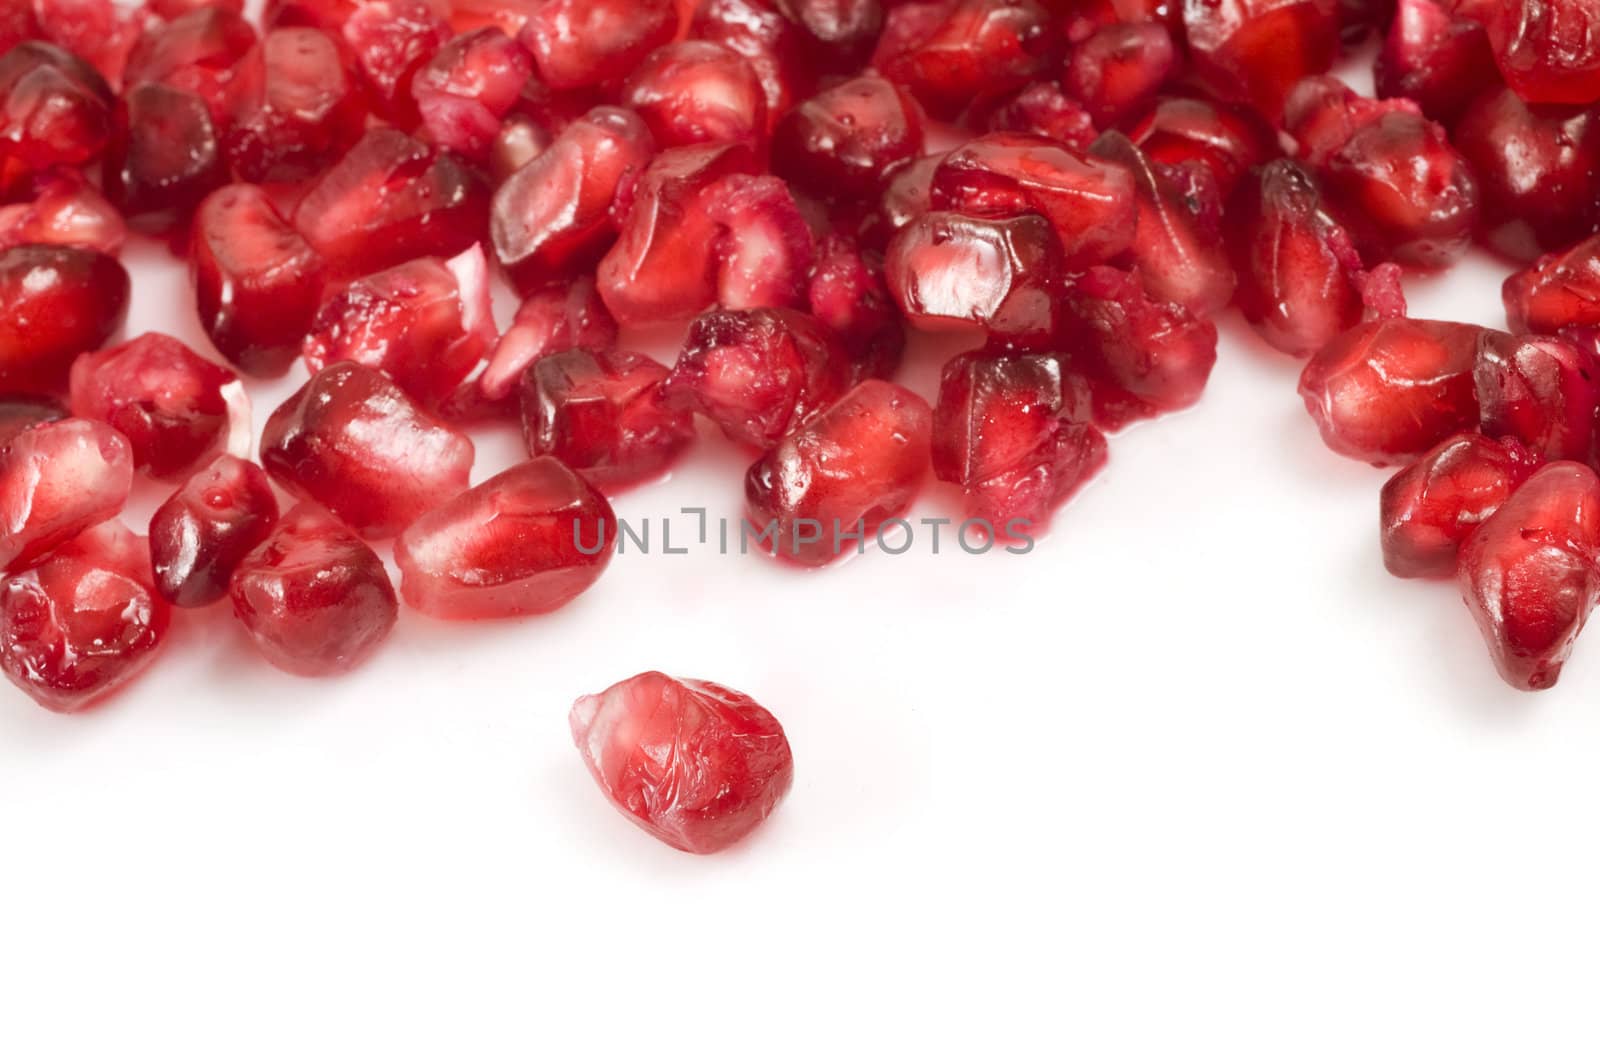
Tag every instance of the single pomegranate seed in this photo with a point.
(1091, 202)
(164, 158)
(314, 599)
(604, 414)
(1387, 391)
(291, 107)
(696, 92)
(1042, 109)
(100, 31)
(775, 47)
(57, 479)
(1540, 390)
(525, 542)
(1547, 50)
(1430, 507)
(1118, 69)
(18, 412)
(83, 623)
(65, 209)
(908, 193)
(175, 408)
(392, 199)
(840, 143)
(952, 54)
(759, 374)
(54, 107)
(196, 52)
(1009, 432)
(556, 318)
(1436, 57)
(849, 295)
(59, 302)
(390, 40)
(351, 441)
(834, 482)
(590, 42)
(1528, 573)
(1559, 291)
(1254, 51)
(1228, 140)
(554, 216)
(464, 93)
(948, 271)
(696, 765)
(257, 281)
(765, 246)
(845, 29)
(426, 324)
(200, 534)
(663, 266)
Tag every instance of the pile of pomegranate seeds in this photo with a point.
(1077, 190)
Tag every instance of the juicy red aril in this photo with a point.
(102, 32)
(603, 413)
(908, 191)
(774, 46)
(764, 247)
(351, 441)
(314, 599)
(1435, 56)
(846, 29)
(554, 215)
(1547, 50)
(464, 92)
(18, 412)
(696, 92)
(65, 209)
(590, 42)
(1541, 390)
(390, 40)
(840, 143)
(59, 302)
(556, 318)
(1387, 391)
(1559, 291)
(291, 107)
(54, 108)
(1044, 110)
(257, 282)
(175, 408)
(392, 199)
(426, 324)
(758, 374)
(519, 141)
(84, 622)
(1227, 140)
(1430, 507)
(164, 158)
(848, 294)
(196, 52)
(696, 765)
(1008, 431)
(1254, 51)
(201, 534)
(1118, 69)
(844, 473)
(1528, 573)
(524, 542)
(57, 479)
(952, 54)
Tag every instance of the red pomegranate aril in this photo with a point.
(351, 441)
(519, 141)
(778, 50)
(1387, 391)
(196, 52)
(555, 318)
(1529, 576)
(1254, 51)
(1435, 57)
(1009, 432)
(464, 93)
(554, 216)
(1042, 109)
(848, 294)
(840, 143)
(846, 29)
(696, 765)
(200, 535)
(1547, 50)
(55, 109)
(164, 158)
(844, 473)
(175, 408)
(59, 302)
(83, 623)
(765, 246)
(1430, 507)
(1118, 69)
(1559, 291)
(291, 107)
(1228, 140)
(257, 281)
(65, 209)
(758, 374)
(314, 599)
(17, 24)
(390, 40)
(953, 54)
(325, 15)
(908, 191)
(57, 479)
(576, 43)
(19, 412)
(522, 543)
(696, 92)
(101, 32)
(1540, 390)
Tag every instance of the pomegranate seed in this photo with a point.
(99, 31)
(663, 266)
(291, 108)
(59, 302)
(1227, 140)
(66, 209)
(952, 54)
(1435, 57)
(426, 324)
(1547, 49)
(519, 141)
(1559, 291)
(164, 158)
(18, 412)
(1541, 390)
(1430, 507)
(696, 765)
(390, 40)
(83, 623)
(1528, 573)
(257, 281)
(54, 108)
(844, 473)
(1042, 109)
(1387, 391)
(554, 216)
(848, 294)
(1091, 202)
(195, 52)
(17, 24)
(759, 374)
(201, 534)
(908, 193)
(765, 246)
(351, 441)
(590, 42)
(556, 318)
(58, 479)
(774, 46)
(314, 599)
(840, 143)
(696, 92)
(325, 15)
(1118, 69)
(846, 30)
(392, 199)
(175, 408)
(1007, 430)
(525, 542)
(1254, 51)
(464, 93)
(603, 414)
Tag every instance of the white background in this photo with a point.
(1196, 779)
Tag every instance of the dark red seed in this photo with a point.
(1559, 291)
(590, 42)
(556, 318)
(464, 93)
(696, 92)
(1117, 70)
(200, 535)
(1227, 139)
(1254, 51)
(59, 302)
(1430, 507)
(164, 158)
(1436, 57)
(847, 293)
(55, 109)
(953, 54)
(1540, 390)
(291, 107)
(841, 142)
